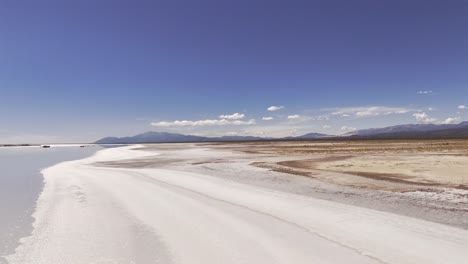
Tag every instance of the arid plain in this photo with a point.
(263, 202)
(426, 179)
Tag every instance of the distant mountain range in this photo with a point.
(401, 131)
(152, 137)
(406, 128)
(414, 131)
(164, 137)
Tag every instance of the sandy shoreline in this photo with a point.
(189, 203)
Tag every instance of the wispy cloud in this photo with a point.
(233, 116)
(275, 108)
(348, 129)
(369, 111)
(277, 130)
(294, 116)
(267, 118)
(451, 120)
(326, 127)
(425, 92)
(320, 118)
(424, 118)
(207, 122)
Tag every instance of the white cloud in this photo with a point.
(319, 118)
(347, 128)
(326, 127)
(369, 111)
(275, 108)
(267, 118)
(462, 107)
(294, 116)
(208, 122)
(269, 130)
(250, 122)
(233, 116)
(424, 92)
(424, 118)
(451, 120)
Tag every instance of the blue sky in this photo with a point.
(82, 70)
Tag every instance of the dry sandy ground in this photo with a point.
(198, 203)
(412, 163)
(420, 178)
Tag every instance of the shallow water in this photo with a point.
(20, 185)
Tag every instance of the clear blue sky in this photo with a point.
(81, 70)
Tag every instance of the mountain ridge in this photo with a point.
(400, 131)
(165, 137)
(407, 128)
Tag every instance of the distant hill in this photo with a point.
(461, 132)
(152, 137)
(237, 138)
(406, 129)
(308, 136)
(401, 131)
(414, 131)
(164, 137)
(312, 136)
